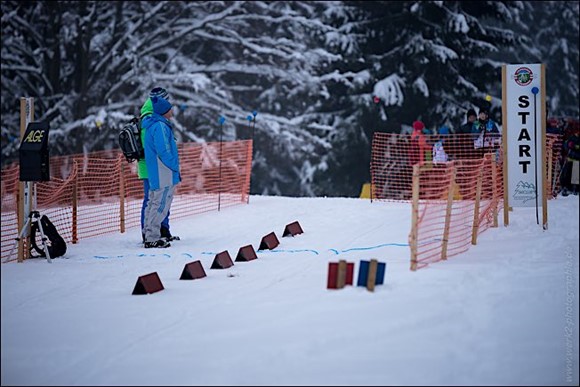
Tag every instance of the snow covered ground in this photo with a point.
(503, 313)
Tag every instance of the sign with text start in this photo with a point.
(524, 130)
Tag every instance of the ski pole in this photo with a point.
(249, 118)
(535, 91)
(254, 113)
(252, 119)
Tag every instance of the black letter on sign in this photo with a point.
(524, 101)
(524, 135)
(523, 115)
(524, 165)
(525, 151)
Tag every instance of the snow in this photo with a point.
(458, 23)
(389, 90)
(503, 313)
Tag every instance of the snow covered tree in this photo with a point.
(428, 60)
(91, 64)
(322, 76)
(552, 32)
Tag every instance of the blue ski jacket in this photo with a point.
(161, 155)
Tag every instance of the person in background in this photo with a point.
(463, 138)
(467, 127)
(570, 179)
(439, 154)
(488, 135)
(419, 144)
(163, 168)
(553, 126)
(147, 110)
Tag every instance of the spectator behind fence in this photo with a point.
(462, 145)
(488, 135)
(439, 154)
(570, 177)
(418, 145)
(147, 110)
(467, 128)
(553, 126)
(162, 161)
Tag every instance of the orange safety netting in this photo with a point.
(100, 193)
(452, 201)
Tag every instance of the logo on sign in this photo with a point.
(524, 191)
(523, 76)
(34, 136)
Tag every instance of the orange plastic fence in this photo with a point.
(452, 201)
(555, 156)
(100, 193)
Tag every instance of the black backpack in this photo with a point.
(130, 140)
(55, 243)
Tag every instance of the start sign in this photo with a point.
(524, 133)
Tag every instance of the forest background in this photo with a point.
(322, 76)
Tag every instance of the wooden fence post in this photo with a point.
(247, 187)
(121, 194)
(75, 203)
(476, 207)
(448, 213)
(414, 217)
(25, 188)
(494, 200)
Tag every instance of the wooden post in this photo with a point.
(24, 188)
(506, 205)
(341, 279)
(476, 208)
(494, 190)
(448, 213)
(247, 187)
(75, 204)
(372, 276)
(122, 195)
(413, 236)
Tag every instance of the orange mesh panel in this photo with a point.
(9, 188)
(443, 228)
(100, 193)
(554, 162)
(392, 156)
(435, 183)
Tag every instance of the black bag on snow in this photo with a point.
(55, 243)
(130, 140)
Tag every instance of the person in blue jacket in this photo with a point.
(147, 110)
(162, 162)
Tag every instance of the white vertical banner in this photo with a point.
(524, 132)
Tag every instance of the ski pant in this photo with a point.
(156, 210)
(165, 222)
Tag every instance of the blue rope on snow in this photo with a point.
(335, 251)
